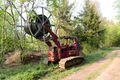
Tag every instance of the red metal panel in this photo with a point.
(52, 56)
(73, 52)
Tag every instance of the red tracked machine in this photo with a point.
(39, 26)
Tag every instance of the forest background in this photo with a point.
(92, 29)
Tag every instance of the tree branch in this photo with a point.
(7, 20)
(6, 11)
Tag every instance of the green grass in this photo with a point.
(41, 71)
(28, 72)
(11, 71)
(89, 59)
(97, 72)
(111, 48)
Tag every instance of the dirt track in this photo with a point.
(111, 73)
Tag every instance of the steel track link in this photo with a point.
(70, 61)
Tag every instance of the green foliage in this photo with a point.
(87, 29)
(61, 10)
(24, 0)
(89, 59)
(116, 6)
(54, 3)
(35, 45)
(112, 36)
(87, 49)
(32, 72)
(103, 23)
(40, 71)
(8, 43)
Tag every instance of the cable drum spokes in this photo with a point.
(33, 24)
(41, 20)
(20, 21)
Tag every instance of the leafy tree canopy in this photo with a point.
(88, 20)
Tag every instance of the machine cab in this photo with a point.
(68, 46)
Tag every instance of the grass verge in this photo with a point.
(97, 72)
(89, 59)
(35, 71)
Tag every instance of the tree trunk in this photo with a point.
(13, 17)
(3, 45)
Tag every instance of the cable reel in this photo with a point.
(32, 22)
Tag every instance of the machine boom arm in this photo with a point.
(55, 38)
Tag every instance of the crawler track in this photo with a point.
(70, 61)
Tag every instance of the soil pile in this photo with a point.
(14, 58)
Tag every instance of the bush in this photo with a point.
(8, 43)
(87, 49)
(112, 36)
